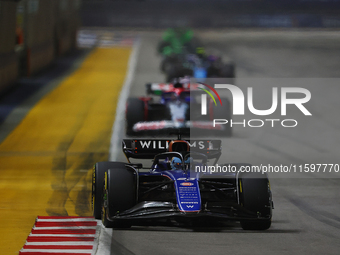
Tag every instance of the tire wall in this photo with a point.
(39, 33)
(49, 29)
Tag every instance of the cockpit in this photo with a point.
(162, 161)
(175, 161)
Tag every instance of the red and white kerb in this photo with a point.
(61, 236)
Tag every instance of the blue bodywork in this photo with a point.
(200, 73)
(185, 179)
(169, 190)
(167, 97)
(186, 186)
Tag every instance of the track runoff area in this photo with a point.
(47, 160)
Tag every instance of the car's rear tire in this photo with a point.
(135, 112)
(120, 194)
(98, 174)
(255, 196)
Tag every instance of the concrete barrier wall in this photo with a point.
(39, 32)
(39, 57)
(52, 32)
(8, 71)
(49, 29)
(8, 60)
(67, 24)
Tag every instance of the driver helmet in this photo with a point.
(200, 51)
(176, 163)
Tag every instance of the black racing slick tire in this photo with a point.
(255, 196)
(98, 175)
(120, 194)
(135, 112)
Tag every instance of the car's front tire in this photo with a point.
(119, 194)
(98, 175)
(255, 196)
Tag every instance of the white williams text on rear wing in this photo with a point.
(148, 148)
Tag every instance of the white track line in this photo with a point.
(104, 242)
(116, 137)
(105, 235)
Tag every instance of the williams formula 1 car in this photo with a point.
(172, 107)
(178, 187)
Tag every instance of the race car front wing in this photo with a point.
(156, 209)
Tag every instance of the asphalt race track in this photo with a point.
(306, 217)
(46, 163)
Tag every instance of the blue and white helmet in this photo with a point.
(176, 163)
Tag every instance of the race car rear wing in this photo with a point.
(158, 88)
(148, 148)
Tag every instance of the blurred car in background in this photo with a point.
(199, 66)
(177, 41)
(183, 55)
(172, 107)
